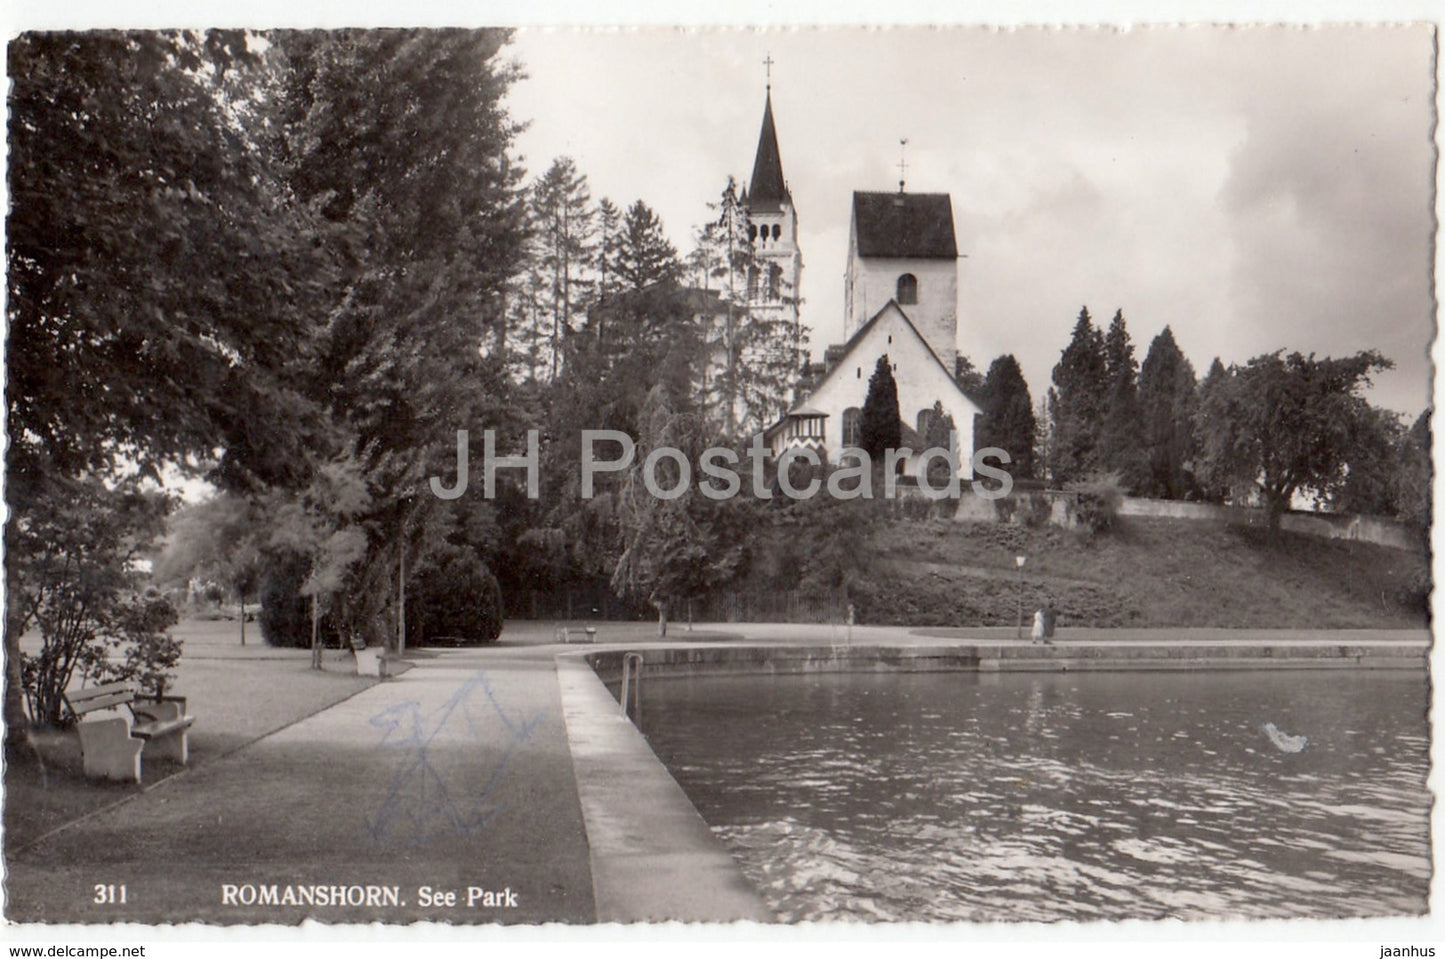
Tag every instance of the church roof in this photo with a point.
(853, 343)
(703, 302)
(904, 225)
(768, 191)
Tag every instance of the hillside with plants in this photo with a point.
(1145, 572)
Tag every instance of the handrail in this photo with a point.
(632, 666)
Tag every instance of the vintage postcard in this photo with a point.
(469, 481)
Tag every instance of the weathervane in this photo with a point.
(902, 162)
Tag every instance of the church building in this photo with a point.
(772, 228)
(751, 322)
(901, 301)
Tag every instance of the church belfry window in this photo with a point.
(907, 289)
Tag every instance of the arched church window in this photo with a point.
(907, 288)
(925, 421)
(775, 282)
(752, 231)
(852, 426)
(752, 283)
(777, 230)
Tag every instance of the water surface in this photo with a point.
(960, 796)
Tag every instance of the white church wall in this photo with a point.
(874, 281)
(921, 380)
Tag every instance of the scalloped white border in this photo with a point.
(1357, 939)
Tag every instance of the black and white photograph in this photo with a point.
(820, 478)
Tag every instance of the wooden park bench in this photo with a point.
(562, 635)
(111, 739)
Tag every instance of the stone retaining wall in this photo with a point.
(980, 657)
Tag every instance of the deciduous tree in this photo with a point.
(401, 141)
(162, 285)
(671, 546)
(1282, 425)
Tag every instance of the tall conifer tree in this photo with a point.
(1077, 403)
(1168, 398)
(1008, 415)
(1120, 450)
(880, 428)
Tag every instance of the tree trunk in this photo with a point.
(1275, 505)
(315, 635)
(661, 617)
(241, 595)
(16, 721)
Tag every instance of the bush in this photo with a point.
(1414, 593)
(1099, 498)
(285, 613)
(153, 653)
(69, 576)
(457, 597)
(1039, 511)
(1004, 508)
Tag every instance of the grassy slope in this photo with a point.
(1151, 572)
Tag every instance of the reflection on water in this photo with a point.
(956, 796)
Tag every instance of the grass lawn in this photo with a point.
(237, 694)
(1150, 572)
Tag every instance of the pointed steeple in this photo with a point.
(768, 190)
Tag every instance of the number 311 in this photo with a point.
(109, 895)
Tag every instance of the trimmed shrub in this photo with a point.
(285, 613)
(457, 598)
(1100, 496)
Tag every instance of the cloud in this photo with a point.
(1252, 188)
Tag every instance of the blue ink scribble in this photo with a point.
(420, 805)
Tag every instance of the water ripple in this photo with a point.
(951, 796)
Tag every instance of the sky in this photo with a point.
(1254, 188)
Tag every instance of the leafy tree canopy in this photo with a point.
(1282, 425)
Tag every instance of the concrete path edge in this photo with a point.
(653, 857)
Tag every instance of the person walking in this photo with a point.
(1048, 617)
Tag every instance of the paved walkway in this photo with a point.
(456, 776)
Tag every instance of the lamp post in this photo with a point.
(1019, 562)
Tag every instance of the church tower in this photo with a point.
(774, 227)
(901, 248)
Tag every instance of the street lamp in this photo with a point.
(1019, 562)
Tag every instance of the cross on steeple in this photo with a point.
(902, 162)
(768, 62)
